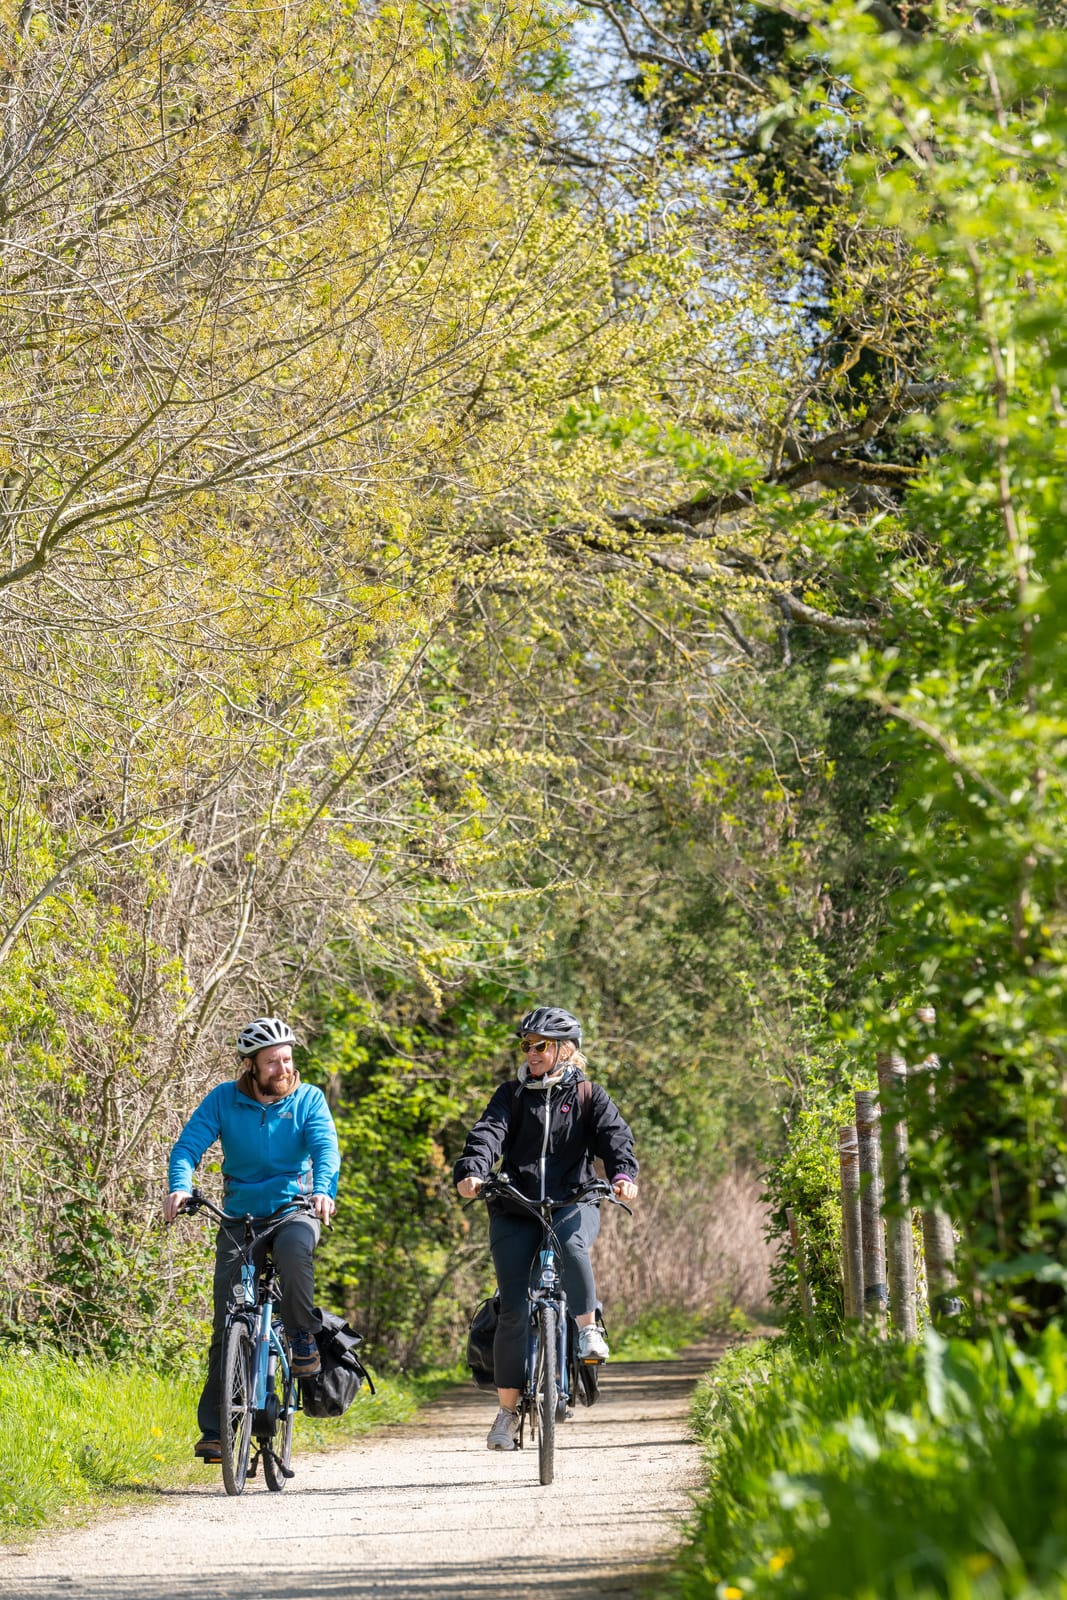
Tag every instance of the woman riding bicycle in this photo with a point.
(548, 1124)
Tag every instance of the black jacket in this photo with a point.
(546, 1139)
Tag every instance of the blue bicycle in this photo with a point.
(554, 1377)
(260, 1395)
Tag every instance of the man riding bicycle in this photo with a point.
(279, 1148)
(547, 1125)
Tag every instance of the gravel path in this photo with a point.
(424, 1510)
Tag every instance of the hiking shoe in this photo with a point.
(503, 1435)
(208, 1450)
(304, 1358)
(592, 1345)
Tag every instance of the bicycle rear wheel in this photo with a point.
(237, 1397)
(277, 1452)
(545, 1392)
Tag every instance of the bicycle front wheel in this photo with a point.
(277, 1452)
(238, 1395)
(545, 1392)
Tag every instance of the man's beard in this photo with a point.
(270, 1090)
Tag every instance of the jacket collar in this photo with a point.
(567, 1073)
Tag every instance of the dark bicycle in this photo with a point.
(260, 1395)
(555, 1376)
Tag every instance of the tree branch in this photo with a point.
(820, 463)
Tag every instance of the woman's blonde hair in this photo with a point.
(573, 1055)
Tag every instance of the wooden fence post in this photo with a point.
(939, 1251)
(939, 1244)
(874, 1285)
(802, 1271)
(899, 1239)
(851, 1225)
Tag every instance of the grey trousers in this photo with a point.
(515, 1242)
(292, 1248)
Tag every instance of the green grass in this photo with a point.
(662, 1335)
(75, 1435)
(879, 1473)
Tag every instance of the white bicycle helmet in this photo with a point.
(261, 1034)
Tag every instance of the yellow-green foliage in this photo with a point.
(290, 312)
(337, 417)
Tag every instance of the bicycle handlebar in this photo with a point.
(199, 1201)
(500, 1183)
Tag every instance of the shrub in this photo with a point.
(883, 1471)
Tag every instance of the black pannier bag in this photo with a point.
(330, 1392)
(480, 1338)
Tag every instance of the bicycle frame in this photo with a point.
(257, 1293)
(547, 1302)
(251, 1306)
(548, 1286)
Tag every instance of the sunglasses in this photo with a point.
(529, 1045)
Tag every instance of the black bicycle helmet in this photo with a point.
(261, 1034)
(551, 1022)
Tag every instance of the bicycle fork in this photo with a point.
(551, 1281)
(267, 1351)
(548, 1287)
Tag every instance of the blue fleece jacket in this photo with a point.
(270, 1153)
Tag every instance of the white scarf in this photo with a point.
(549, 1080)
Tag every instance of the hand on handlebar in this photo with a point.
(175, 1204)
(619, 1191)
(323, 1207)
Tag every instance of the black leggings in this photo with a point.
(292, 1248)
(515, 1242)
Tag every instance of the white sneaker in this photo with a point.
(503, 1435)
(592, 1345)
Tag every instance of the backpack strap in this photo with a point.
(585, 1100)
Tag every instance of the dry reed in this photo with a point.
(697, 1248)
